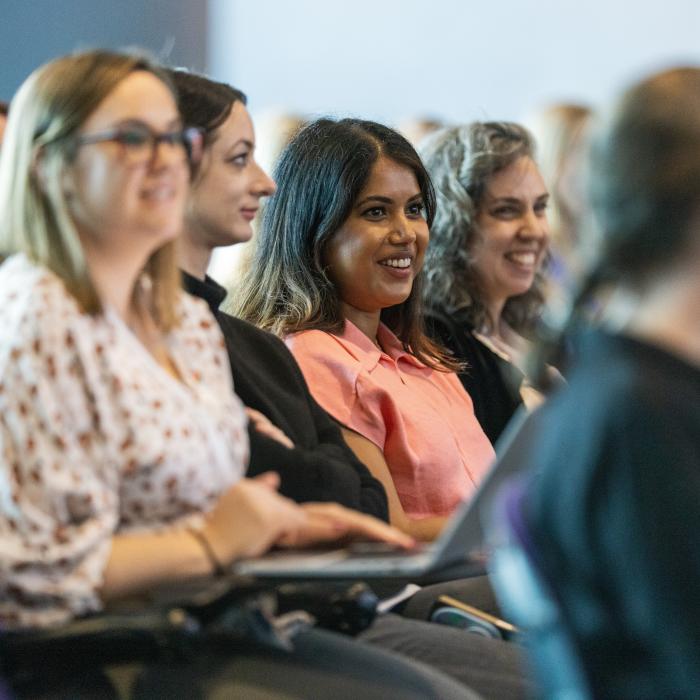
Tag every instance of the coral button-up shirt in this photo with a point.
(422, 419)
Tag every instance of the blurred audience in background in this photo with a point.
(562, 133)
(415, 130)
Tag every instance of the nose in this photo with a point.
(402, 230)
(263, 184)
(167, 154)
(534, 226)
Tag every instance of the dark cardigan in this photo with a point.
(266, 377)
(492, 383)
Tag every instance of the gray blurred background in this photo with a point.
(384, 59)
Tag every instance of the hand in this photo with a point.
(264, 425)
(250, 517)
(328, 522)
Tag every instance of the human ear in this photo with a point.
(47, 173)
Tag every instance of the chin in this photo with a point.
(240, 234)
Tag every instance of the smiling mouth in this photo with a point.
(398, 263)
(159, 193)
(523, 259)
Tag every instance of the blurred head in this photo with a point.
(95, 155)
(318, 232)
(645, 179)
(3, 119)
(490, 233)
(418, 128)
(561, 131)
(228, 183)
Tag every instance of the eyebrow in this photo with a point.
(385, 200)
(514, 200)
(176, 121)
(245, 142)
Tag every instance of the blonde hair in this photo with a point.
(46, 113)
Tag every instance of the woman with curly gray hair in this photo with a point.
(483, 268)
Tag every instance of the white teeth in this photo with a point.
(397, 262)
(528, 259)
(159, 193)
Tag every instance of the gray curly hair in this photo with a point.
(460, 161)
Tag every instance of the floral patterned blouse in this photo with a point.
(97, 438)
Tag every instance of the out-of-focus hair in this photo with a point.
(320, 174)
(4, 107)
(559, 130)
(461, 160)
(47, 113)
(644, 189)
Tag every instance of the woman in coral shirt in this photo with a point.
(337, 272)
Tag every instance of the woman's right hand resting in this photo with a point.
(247, 520)
(251, 517)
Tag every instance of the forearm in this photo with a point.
(141, 561)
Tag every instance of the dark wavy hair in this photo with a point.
(320, 174)
(460, 161)
(203, 102)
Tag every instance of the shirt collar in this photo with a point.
(208, 289)
(370, 353)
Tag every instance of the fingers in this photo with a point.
(359, 525)
(270, 480)
(314, 530)
(263, 425)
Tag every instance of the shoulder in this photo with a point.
(34, 303)
(240, 332)
(318, 344)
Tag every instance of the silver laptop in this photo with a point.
(460, 543)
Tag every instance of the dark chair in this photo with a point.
(526, 595)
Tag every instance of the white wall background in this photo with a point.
(459, 60)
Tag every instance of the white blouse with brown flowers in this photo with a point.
(97, 438)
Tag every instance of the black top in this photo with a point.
(321, 467)
(492, 382)
(615, 514)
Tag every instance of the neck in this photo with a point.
(366, 321)
(114, 272)
(494, 322)
(194, 256)
(667, 315)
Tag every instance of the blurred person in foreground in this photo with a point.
(614, 504)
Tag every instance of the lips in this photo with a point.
(159, 193)
(249, 213)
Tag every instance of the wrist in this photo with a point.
(200, 536)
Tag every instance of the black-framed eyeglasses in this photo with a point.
(139, 143)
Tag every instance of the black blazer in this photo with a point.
(266, 377)
(492, 382)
